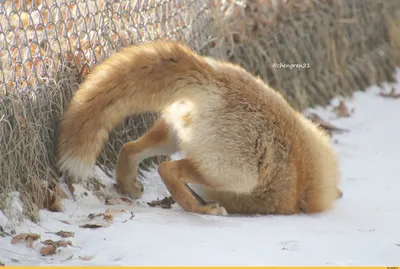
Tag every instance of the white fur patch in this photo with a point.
(76, 168)
(177, 115)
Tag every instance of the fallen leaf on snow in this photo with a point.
(48, 250)
(111, 213)
(65, 222)
(94, 226)
(118, 201)
(57, 244)
(52, 201)
(167, 202)
(342, 111)
(86, 258)
(61, 193)
(65, 234)
(92, 215)
(392, 94)
(57, 190)
(28, 237)
(330, 128)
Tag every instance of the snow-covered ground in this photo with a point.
(362, 229)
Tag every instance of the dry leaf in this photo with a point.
(52, 201)
(86, 258)
(65, 234)
(57, 244)
(28, 237)
(126, 200)
(392, 94)
(92, 215)
(60, 193)
(325, 125)
(111, 213)
(94, 226)
(48, 250)
(66, 222)
(118, 201)
(342, 111)
(167, 202)
(48, 242)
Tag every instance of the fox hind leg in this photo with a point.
(157, 141)
(176, 175)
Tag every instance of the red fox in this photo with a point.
(243, 143)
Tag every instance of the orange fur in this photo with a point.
(243, 143)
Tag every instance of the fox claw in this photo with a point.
(134, 191)
(216, 209)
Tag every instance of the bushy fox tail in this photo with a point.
(146, 77)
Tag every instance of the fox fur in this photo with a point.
(248, 149)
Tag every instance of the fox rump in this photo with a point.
(247, 149)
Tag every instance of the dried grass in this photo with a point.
(348, 44)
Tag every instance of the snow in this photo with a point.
(362, 229)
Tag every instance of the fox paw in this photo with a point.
(214, 208)
(134, 190)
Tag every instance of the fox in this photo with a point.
(246, 148)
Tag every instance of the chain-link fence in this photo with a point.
(47, 47)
